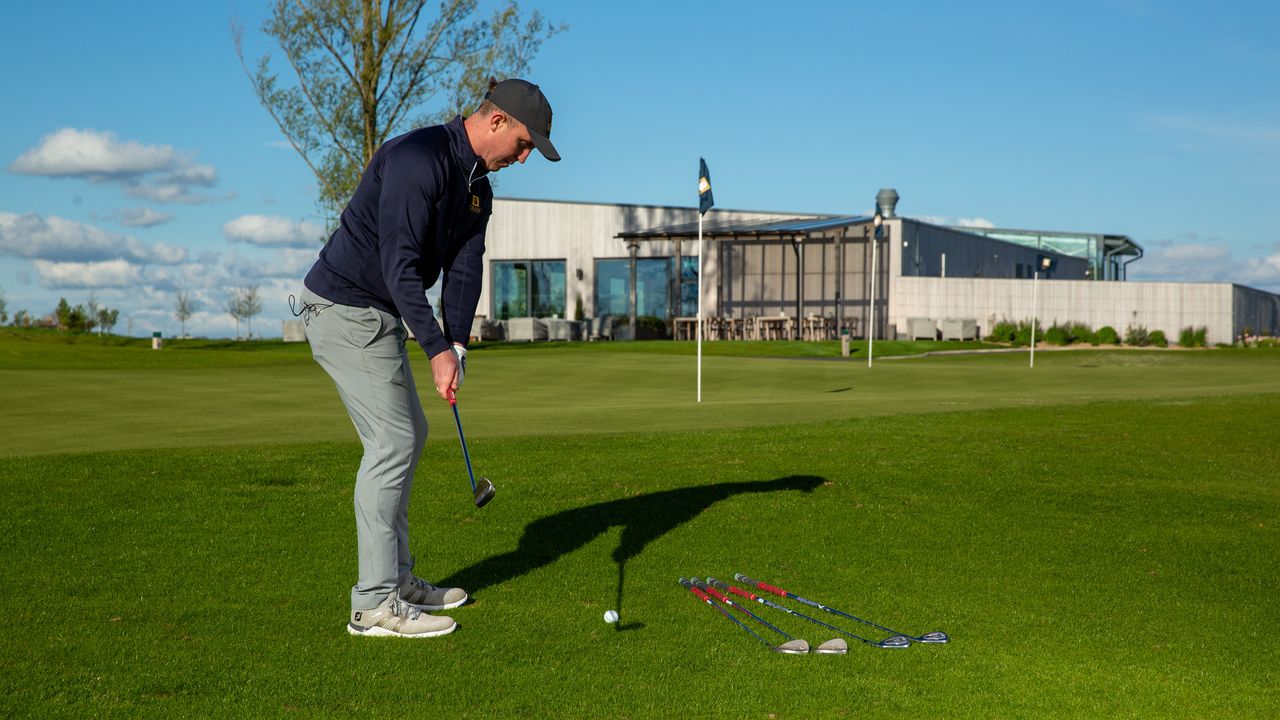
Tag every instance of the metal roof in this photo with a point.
(749, 228)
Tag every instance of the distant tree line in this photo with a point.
(85, 317)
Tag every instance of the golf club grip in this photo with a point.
(726, 587)
(737, 591)
(689, 586)
(762, 585)
(717, 595)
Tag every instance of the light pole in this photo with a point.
(1045, 263)
(876, 222)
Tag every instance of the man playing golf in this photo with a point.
(418, 214)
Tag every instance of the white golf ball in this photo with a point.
(611, 616)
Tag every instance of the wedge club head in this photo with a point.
(793, 647)
(834, 646)
(934, 637)
(483, 492)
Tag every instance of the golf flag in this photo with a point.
(705, 201)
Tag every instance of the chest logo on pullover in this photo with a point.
(475, 204)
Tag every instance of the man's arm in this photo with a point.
(463, 279)
(408, 190)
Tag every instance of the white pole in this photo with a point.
(699, 307)
(871, 334)
(1035, 279)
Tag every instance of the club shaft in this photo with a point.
(757, 618)
(769, 603)
(813, 603)
(465, 455)
(727, 614)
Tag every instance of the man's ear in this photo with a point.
(496, 120)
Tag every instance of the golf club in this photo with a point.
(801, 646)
(897, 642)
(482, 492)
(705, 598)
(930, 637)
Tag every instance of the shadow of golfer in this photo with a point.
(643, 519)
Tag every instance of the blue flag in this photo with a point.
(705, 200)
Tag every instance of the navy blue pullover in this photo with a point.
(422, 206)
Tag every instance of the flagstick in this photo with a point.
(699, 306)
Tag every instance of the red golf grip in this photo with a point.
(689, 586)
(722, 585)
(762, 585)
(719, 595)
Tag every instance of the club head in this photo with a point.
(834, 646)
(895, 642)
(934, 637)
(484, 492)
(793, 647)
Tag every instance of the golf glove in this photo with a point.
(461, 352)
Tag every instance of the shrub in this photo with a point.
(1158, 339)
(1079, 333)
(1022, 334)
(1056, 335)
(1187, 337)
(1106, 335)
(1200, 337)
(1004, 331)
(1137, 335)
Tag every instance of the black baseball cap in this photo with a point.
(525, 102)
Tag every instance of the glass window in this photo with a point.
(688, 286)
(547, 294)
(653, 287)
(528, 288)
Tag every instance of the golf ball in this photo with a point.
(611, 616)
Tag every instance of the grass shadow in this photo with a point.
(643, 519)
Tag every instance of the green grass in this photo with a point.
(1097, 534)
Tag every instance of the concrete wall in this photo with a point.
(1223, 308)
(579, 233)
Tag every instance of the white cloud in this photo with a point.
(109, 274)
(90, 154)
(1190, 259)
(158, 173)
(274, 231)
(957, 222)
(60, 240)
(141, 217)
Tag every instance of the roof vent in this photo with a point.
(887, 201)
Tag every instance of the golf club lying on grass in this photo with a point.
(930, 637)
(896, 642)
(787, 648)
(482, 492)
(831, 647)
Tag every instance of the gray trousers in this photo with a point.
(363, 350)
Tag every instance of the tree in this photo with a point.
(363, 66)
(186, 308)
(4, 309)
(235, 307)
(78, 319)
(252, 305)
(63, 314)
(22, 319)
(91, 312)
(107, 319)
(243, 304)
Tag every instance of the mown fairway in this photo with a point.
(1098, 535)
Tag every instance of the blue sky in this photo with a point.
(1158, 120)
